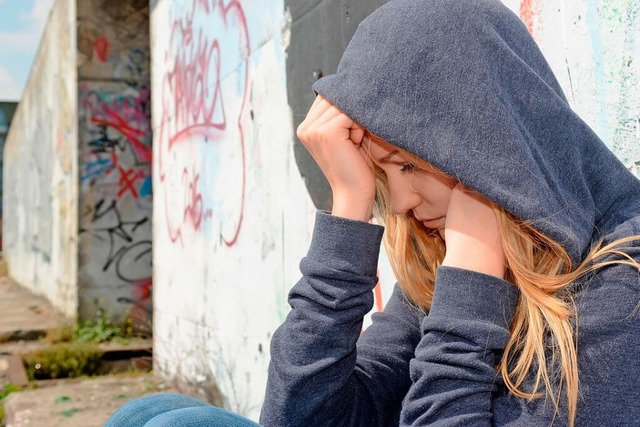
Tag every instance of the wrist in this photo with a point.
(352, 207)
(484, 263)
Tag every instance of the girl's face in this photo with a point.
(425, 193)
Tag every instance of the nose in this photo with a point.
(403, 198)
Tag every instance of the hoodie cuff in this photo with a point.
(469, 295)
(345, 244)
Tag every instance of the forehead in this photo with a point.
(379, 151)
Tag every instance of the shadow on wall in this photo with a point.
(320, 32)
(7, 110)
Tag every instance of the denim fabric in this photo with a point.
(464, 86)
(174, 410)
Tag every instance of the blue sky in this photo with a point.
(21, 25)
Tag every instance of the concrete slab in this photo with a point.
(23, 315)
(77, 403)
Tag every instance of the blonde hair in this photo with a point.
(539, 266)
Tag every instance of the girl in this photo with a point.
(511, 228)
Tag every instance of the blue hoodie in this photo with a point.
(463, 86)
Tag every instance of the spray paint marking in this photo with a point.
(204, 93)
(528, 14)
(101, 46)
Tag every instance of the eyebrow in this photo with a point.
(388, 156)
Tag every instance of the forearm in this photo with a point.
(467, 329)
(313, 354)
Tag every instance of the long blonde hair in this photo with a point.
(539, 266)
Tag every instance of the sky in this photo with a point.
(21, 25)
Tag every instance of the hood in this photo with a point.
(463, 85)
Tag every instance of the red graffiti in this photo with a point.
(128, 180)
(126, 115)
(528, 13)
(199, 121)
(101, 46)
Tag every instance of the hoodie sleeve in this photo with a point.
(453, 373)
(317, 376)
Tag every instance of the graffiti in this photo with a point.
(132, 67)
(112, 43)
(117, 134)
(201, 161)
(529, 12)
(115, 176)
(128, 115)
(101, 47)
(127, 255)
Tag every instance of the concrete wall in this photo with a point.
(7, 110)
(593, 48)
(40, 225)
(78, 223)
(114, 130)
(231, 215)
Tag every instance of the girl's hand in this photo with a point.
(335, 143)
(472, 236)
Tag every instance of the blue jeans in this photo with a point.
(174, 410)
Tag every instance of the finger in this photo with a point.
(321, 111)
(333, 124)
(318, 108)
(357, 133)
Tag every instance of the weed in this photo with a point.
(63, 360)
(98, 330)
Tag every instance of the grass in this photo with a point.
(100, 329)
(4, 392)
(74, 349)
(63, 360)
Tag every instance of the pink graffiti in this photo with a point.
(196, 113)
(126, 115)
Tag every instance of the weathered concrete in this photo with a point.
(40, 228)
(114, 137)
(7, 110)
(77, 403)
(79, 231)
(25, 316)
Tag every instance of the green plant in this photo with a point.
(4, 392)
(100, 329)
(64, 333)
(64, 360)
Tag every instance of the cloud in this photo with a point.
(9, 88)
(17, 46)
(27, 40)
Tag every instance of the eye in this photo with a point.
(408, 167)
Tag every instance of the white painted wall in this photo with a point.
(40, 226)
(593, 48)
(232, 217)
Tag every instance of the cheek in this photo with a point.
(436, 192)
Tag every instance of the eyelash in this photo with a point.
(408, 167)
